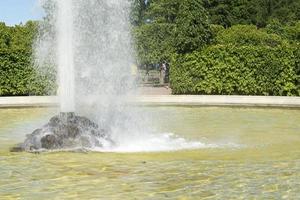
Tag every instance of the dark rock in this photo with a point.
(63, 132)
(16, 149)
(48, 142)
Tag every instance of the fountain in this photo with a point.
(91, 43)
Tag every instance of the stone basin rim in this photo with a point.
(167, 100)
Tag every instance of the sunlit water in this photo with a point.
(246, 153)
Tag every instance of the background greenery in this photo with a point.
(18, 76)
(247, 47)
(243, 47)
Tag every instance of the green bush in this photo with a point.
(289, 32)
(248, 35)
(237, 70)
(18, 77)
(215, 30)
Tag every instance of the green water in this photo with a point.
(261, 159)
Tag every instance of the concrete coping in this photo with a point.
(167, 100)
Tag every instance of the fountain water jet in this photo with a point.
(64, 26)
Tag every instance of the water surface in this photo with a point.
(250, 153)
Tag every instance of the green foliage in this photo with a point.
(256, 12)
(237, 70)
(154, 38)
(172, 26)
(233, 54)
(290, 32)
(248, 35)
(17, 73)
(18, 77)
(137, 15)
(192, 29)
(285, 11)
(154, 42)
(5, 37)
(163, 11)
(216, 47)
(215, 30)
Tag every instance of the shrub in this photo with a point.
(289, 32)
(248, 35)
(237, 70)
(215, 30)
(19, 77)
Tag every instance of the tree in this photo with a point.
(138, 10)
(192, 30)
(154, 38)
(256, 12)
(219, 12)
(154, 43)
(285, 11)
(177, 26)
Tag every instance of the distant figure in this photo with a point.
(163, 70)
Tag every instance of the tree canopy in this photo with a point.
(171, 26)
(164, 27)
(192, 35)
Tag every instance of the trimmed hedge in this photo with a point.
(248, 35)
(237, 70)
(20, 78)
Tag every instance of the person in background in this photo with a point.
(163, 69)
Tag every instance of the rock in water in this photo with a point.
(65, 132)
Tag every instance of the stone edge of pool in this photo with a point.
(167, 100)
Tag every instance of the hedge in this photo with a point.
(237, 70)
(20, 78)
(248, 35)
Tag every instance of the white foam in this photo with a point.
(165, 142)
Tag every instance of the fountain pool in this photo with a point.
(247, 153)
